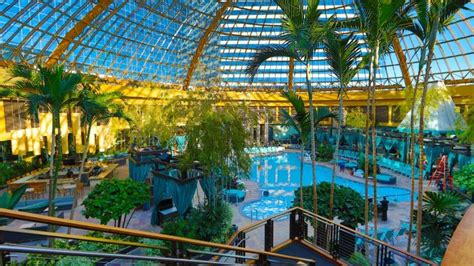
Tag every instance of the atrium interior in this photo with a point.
(318, 132)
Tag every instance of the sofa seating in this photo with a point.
(39, 205)
(386, 179)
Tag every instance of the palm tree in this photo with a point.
(52, 88)
(301, 123)
(95, 107)
(342, 55)
(379, 21)
(433, 16)
(302, 33)
(442, 211)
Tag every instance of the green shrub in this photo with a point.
(114, 199)
(348, 203)
(325, 152)
(210, 222)
(361, 165)
(464, 178)
(9, 170)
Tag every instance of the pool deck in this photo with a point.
(398, 211)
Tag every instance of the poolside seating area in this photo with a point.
(351, 155)
(393, 165)
(398, 167)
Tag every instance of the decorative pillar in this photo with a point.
(390, 114)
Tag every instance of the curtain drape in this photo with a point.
(139, 172)
(208, 185)
(182, 194)
(159, 193)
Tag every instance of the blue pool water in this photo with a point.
(279, 175)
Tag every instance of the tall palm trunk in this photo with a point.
(54, 178)
(51, 166)
(313, 142)
(336, 155)
(432, 42)
(58, 162)
(366, 154)
(81, 169)
(301, 172)
(374, 133)
(412, 152)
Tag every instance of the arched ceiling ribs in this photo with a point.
(202, 43)
(76, 30)
(402, 61)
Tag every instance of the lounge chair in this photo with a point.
(359, 173)
(399, 234)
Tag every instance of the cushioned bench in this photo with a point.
(38, 206)
(386, 179)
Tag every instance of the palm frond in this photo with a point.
(321, 114)
(450, 9)
(289, 121)
(293, 11)
(343, 54)
(296, 101)
(266, 53)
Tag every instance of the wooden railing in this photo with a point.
(177, 242)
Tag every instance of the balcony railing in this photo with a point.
(336, 242)
(175, 252)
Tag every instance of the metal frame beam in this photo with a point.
(402, 61)
(203, 41)
(77, 30)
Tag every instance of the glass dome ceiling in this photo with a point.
(156, 41)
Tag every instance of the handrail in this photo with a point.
(82, 238)
(369, 237)
(137, 233)
(193, 251)
(50, 251)
(263, 221)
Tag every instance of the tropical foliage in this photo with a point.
(442, 211)
(95, 107)
(9, 170)
(348, 203)
(356, 118)
(464, 178)
(302, 32)
(432, 17)
(114, 199)
(148, 128)
(206, 222)
(8, 200)
(343, 54)
(218, 141)
(51, 88)
(325, 152)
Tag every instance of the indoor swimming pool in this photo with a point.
(279, 175)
